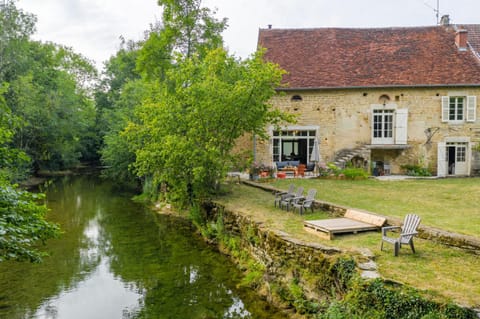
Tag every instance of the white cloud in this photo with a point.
(93, 27)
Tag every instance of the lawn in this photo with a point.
(441, 271)
(451, 204)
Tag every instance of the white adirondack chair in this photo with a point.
(408, 231)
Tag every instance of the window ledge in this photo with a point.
(388, 146)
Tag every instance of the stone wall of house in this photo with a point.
(243, 150)
(344, 118)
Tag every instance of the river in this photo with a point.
(118, 259)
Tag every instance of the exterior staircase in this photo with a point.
(344, 156)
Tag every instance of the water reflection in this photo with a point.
(100, 295)
(116, 259)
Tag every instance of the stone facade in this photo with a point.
(343, 120)
(378, 98)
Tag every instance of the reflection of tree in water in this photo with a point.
(178, 275)
(26, 286)
(157, 257)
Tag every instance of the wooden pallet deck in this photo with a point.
(353, 222)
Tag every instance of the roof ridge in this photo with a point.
(353, 28)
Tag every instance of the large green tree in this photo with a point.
(49, 89)
(192, 102)
(56, 111)
(120, 90)
(22, 215)
(187, 29)
(16, 27)
(187, 129)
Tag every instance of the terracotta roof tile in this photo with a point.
(473, 36)
(342, 57)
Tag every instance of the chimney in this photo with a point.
(445, 20)
(269, 26)
(461, 39)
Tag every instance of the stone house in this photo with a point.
(378, 98)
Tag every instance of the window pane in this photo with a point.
(461, 151)
(388, 126)
(276, 150)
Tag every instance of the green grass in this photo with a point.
(451, 204)
(441, 271)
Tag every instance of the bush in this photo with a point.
(415, 170)
(355, 173)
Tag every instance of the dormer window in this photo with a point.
(296, 98)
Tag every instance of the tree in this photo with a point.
(116, 154)
(116, 97)
(22, 217)
(188, 29)
(22, 224)
(57, 113)
(188, 128)
(16, 27)
(49, 88)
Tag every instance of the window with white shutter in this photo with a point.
(459, 109)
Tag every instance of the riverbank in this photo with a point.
(302, 273)
(43, 176)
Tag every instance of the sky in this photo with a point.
(94, 27)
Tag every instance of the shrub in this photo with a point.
(355, 173)
(415, 170)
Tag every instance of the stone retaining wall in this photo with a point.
(287, 260)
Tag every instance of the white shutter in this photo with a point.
(471, 108)
(401, 122)
(442, 159)
(445, 108)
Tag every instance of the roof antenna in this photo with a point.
(436, 10)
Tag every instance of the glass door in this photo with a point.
(382, 127)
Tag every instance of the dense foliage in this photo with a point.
(22, 224)
(22, 216)
(186, 103)
(188, 127)
(47, 87)
(46, 117)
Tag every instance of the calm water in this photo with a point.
(117, 259)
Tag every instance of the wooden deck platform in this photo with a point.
(354, 221)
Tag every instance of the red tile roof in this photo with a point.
(378, 57)
(473, 36)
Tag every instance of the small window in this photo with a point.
(296, 98)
